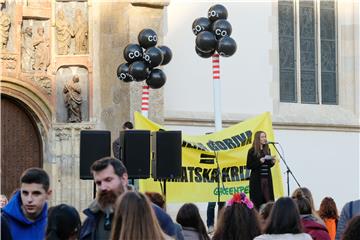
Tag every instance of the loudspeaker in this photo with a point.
(166, 150)
(135, 152)
(94, 144)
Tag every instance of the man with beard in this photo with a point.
(111, 179)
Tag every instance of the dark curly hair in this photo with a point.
(237, 222)
(328, 209)
(352, 230)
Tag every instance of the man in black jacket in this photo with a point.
(116, 143)
(111, 179)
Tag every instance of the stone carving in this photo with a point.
(62, 133)
(27, 50)
(80, 33)
(44, 82)
(8, 62)
(41, 45)
(4, 29)
(73, 99)
(64, 34)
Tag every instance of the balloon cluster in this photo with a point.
(142, 59)
(213, 33)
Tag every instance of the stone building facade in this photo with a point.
(45, 43)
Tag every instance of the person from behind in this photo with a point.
(156, 198)
(329, 214)
(193, 227)
(352, 231)
(284, 222)
(159, 200)
(350, 210)
(63, 223)
(264, 213)
(308, 195)
(260, 161)
(238, 220)
(309, 221)
(135, 219)
(26, 212)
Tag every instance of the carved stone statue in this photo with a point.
(81, 33)
(41, 45)
(27, 49)
(64, 33)
(4, 29)
(73, 99)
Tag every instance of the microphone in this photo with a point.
(272, 142)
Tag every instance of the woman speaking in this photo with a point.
(260, 161)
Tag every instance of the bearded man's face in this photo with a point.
(110, 185)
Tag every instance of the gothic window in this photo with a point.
(307, 51)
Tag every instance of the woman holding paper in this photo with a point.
(260, 161)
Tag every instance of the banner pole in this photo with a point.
(217, 91)
(145, 100)
(217, 111)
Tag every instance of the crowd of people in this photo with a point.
(121, 212)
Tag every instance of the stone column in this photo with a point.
(65, 167)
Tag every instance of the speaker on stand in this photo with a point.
(94, 144)
(166, 156)
(134, 152)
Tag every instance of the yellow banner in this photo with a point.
(199, 166)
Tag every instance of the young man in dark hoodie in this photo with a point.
(111, 179)
(26, 212)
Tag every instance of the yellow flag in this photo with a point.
(204, 155)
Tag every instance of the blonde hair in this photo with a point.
(135, 219)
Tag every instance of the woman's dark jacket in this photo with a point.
(253, 162)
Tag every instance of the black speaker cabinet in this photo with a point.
(135, 152)
(94, 144)
(166, 148)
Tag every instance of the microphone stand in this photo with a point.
(218, 178)
(287, 171)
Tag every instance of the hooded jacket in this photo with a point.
(21, 227)
(315, 229)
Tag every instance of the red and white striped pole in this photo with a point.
(217, 91)
(145, 100)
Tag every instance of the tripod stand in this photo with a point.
(288, 171)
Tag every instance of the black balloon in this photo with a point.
(138, 70)
(221, 28)
(226, 46)
(123, 73)
(217, 12)
(147, 38)
(166, 53)
(204, 54)
(201, 24)
(153, 57)
(206, 41)
(156, 79)
(133, 52)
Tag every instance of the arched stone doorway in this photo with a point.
(21, 145)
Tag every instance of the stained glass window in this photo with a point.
(303, 25)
